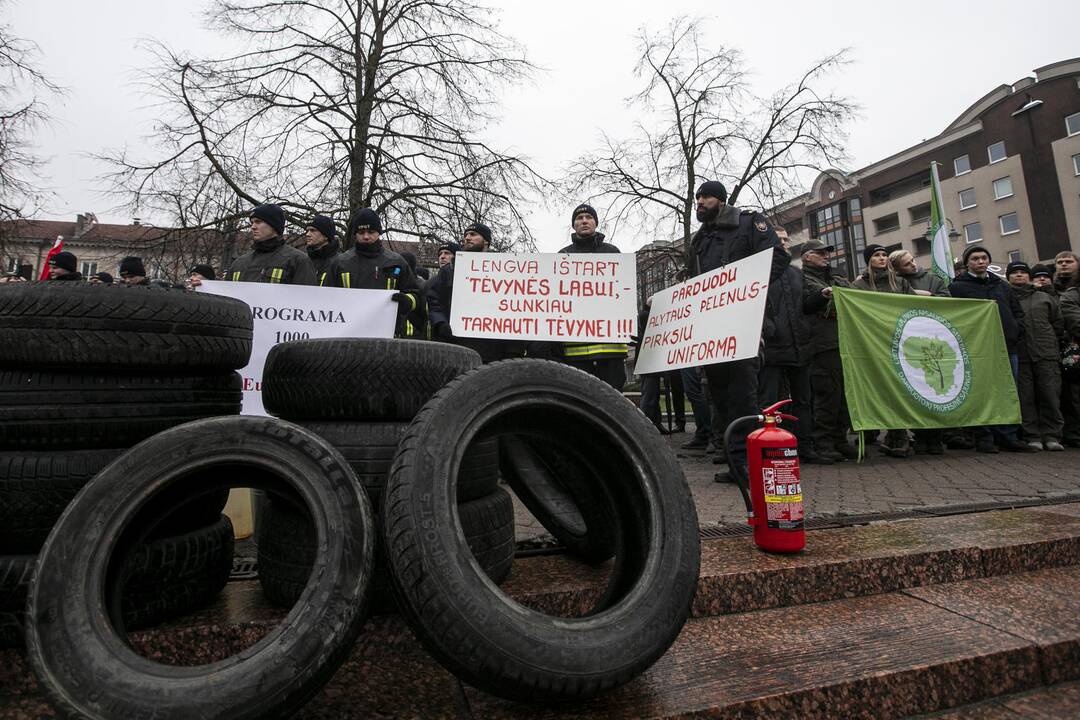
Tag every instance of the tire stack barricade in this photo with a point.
(360, 395)
(86, 372)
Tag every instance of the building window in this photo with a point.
(922, 246)
(88, 268)
(973, 232)
(1009, 224)
(919, 213)
(12, 265)
(1072, 124)
(967, 199)
(961, 165)
(996, 152)
(1003, 188)
(1076, 164)
(1016, 256)
(887, 224)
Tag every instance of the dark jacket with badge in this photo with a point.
(785, 327)
(591, 351)
(1043, 325)
(736, 234)
(272, 261)
(991, 287)
(823, 332)
(373, 267)
(321, 259)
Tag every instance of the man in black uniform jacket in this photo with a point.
(727, 235)
(322, 245)
(370, 266)
(270, 259)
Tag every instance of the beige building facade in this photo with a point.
(1010, 179)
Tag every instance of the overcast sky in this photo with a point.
(917, 66)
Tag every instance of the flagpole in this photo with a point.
(941, 259)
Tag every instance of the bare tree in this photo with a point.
(22, 114)
(702, 121)
(331, 105)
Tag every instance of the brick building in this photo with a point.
(1010, 180)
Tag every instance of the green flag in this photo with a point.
(923, 362)
(941, 259)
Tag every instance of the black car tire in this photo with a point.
(370, 447)
(41, 410)
(465, 621)
(286, 548)
(96, 327)
(358, 378)
(76, 643)
(558, 493)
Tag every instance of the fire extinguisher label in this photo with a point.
(783, 490)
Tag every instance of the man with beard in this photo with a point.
(270, 259)
(322, 245)
(727, 235)
(370, 266)
(604, 361)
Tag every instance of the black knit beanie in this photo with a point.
(272, 215)
(324, 225)
(132, 266)
(584, 208)
(65, 261)
(364, 219)
(712, 188)
(869, 251)
(480, 229)
(205, 270)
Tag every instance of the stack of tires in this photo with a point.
(360, 395)
(86, 372)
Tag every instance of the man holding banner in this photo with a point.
(605, 361)
(370, 266)
(728, 235)
(270, 259)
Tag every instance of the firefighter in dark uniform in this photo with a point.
(370, 266)
(270, 259)
(605, 361)
(322, 245)
(440, 299)
(727, 235)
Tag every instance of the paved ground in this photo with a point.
(880, 484)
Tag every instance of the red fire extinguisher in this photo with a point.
(773, 492)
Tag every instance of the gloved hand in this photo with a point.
(443, 331)
(403, 299)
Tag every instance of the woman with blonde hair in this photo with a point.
(879, 275)
(922, 281)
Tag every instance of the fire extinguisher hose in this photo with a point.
(738, 472)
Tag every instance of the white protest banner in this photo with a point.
(281, 313)
(712, 318)
(545, 296)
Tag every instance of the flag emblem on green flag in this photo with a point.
(922, 363)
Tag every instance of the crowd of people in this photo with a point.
(799, 357)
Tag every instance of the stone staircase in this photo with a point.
(885, 620)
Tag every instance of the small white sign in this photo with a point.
(281, 313)
(712, 318)
(547, 296)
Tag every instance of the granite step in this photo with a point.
(839, 563)
(1055, 702)
(931, 613)
(889, 655)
